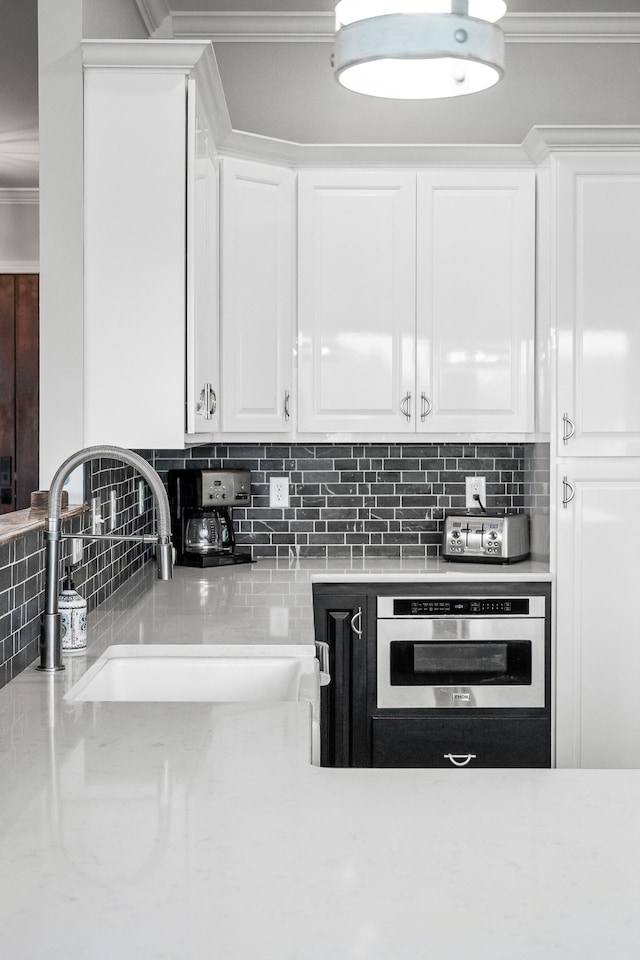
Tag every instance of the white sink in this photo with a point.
(229, 673)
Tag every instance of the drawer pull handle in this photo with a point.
(460, 759)
(357, 618)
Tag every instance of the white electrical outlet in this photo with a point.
(475, 487)
(279, 491)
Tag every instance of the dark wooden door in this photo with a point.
(19, 389)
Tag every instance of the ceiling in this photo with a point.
(567, 62)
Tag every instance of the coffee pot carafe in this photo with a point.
(203, 533)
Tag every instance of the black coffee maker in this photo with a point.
(201, 503)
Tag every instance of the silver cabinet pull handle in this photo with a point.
(405, 405)
(568, 491)
(459, 759)
(322, 653)
(207, 402)
(569, 428)
(286, 404)
(357, 618)
(427, 406)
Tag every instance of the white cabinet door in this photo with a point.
(598, 283)
(257, 297)
(202, 277)
(476, 300)
(134, 258)
(598, 636)
(356, 301)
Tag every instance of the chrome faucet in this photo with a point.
(50, 639)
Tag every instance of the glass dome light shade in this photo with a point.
(418, 56)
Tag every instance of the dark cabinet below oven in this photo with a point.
(469, 741)
(341, 620)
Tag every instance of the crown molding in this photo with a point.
(250, 146)
(191, 57)
(541, 141)
(156, 16)
(309, 27)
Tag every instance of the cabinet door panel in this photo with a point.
(134, 258)
(257, 300)
(476, 234)
(202, 278)
(356, 301)
(598, 642)
(598, 296)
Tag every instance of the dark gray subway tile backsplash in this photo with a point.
(357, 500)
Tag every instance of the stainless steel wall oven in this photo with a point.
(460, 652)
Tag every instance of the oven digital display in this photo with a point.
(457, 607)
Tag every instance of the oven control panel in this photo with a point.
(460, 607)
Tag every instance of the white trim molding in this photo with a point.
(191, 57)
(19, 195)
(319, 27)
(19, 266)
(541, 141)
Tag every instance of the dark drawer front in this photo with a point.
(461, 742)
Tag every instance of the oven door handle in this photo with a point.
(460, 759)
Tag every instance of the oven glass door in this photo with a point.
(437, 662)
(457, 663)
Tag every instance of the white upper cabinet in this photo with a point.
(356, 301)
(598, 292)
(149, 234)
(476, 300)
(400, 335)
(257, 284)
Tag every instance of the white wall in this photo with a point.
(19, 246)
(61, 232)
(113, 20)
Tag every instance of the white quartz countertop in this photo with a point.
(202, 832)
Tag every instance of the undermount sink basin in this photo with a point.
(181, 672)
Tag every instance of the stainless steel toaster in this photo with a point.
(491, 537)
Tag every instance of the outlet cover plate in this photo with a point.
(475, 485)
(279, 491)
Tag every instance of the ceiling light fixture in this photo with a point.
(418, 49)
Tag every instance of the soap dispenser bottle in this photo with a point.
(73, 610)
